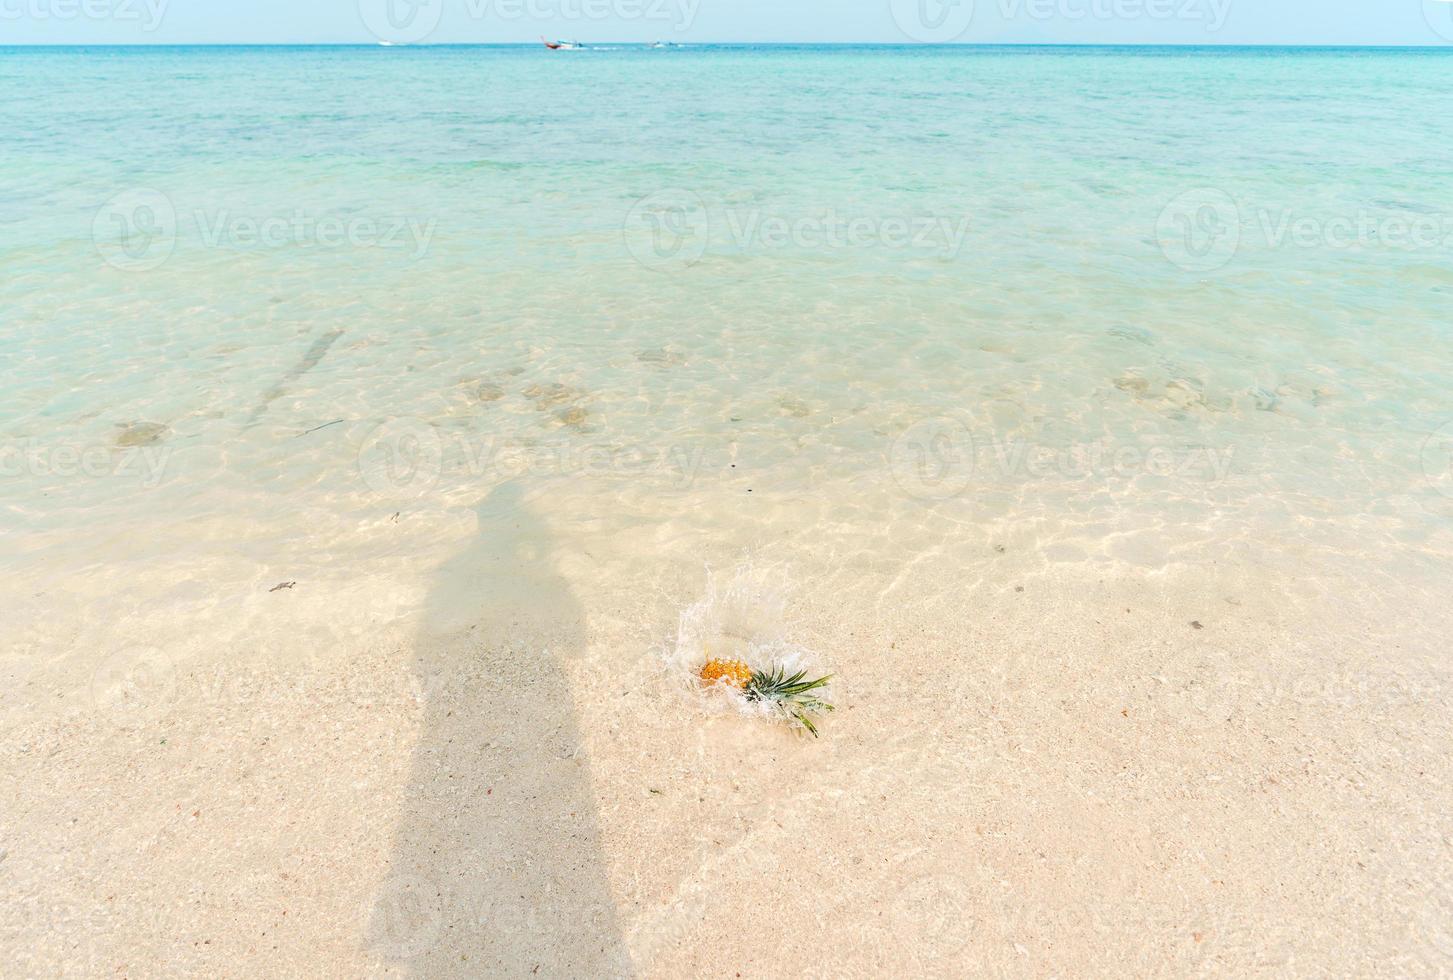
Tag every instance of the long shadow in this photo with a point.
(497, 866)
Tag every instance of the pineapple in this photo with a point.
(792, 695)
(733, 672)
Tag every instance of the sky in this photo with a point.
(1376, 22)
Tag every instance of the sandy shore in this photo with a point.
(1038, 774)
(373, 418)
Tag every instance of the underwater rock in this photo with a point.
(1178, 394)
(1137, 386)
(548, 396)
(489, 392)
(661, 357)
(140, 434)
(794, 407)
(1266, 401)
(562, 401)
(574, 417)
(1184, 393)
(1138, 335)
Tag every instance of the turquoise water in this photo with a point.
(1129, 309)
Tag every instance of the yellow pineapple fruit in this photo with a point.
(792, 695)
(734, 672)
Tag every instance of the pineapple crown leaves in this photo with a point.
(793, 694)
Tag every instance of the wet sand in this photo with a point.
(1178, 774)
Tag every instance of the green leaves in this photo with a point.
(792, 694)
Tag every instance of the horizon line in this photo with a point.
(824, 44)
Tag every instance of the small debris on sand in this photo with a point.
(325, 425)
(280, 586)
(140, 434)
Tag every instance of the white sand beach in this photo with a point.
(390, 435)
(1032, 772)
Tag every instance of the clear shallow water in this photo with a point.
(866, 307)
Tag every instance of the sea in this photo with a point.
(905, 321)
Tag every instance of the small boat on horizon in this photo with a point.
(562, 45)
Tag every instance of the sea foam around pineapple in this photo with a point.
(742, 617)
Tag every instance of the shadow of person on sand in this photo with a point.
(497, 867)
